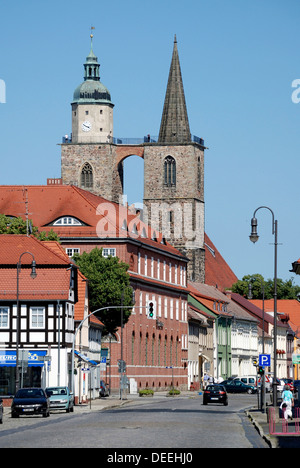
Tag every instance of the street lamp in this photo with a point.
(254, 238)
(33, 275)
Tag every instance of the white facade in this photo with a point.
(244, 347)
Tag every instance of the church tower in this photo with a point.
(173, 166)
(174, 177)
(92, 109)
(88, 158)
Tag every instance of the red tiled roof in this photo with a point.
(49, 284)
(99, 217)
(52, 280)
(217, 271)
(286, 307)
(253, 309)
(12, 246)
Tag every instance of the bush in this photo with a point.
(174, 391)
(146, 392)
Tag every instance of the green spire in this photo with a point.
(91, 66)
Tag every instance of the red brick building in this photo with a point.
(158, 272)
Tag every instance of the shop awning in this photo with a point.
(86, 359)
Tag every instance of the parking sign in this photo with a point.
(265, 360)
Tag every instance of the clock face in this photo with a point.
(86, 126)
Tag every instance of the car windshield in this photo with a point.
(30, 393)
(56, 391)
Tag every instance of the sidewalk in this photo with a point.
(260, 421)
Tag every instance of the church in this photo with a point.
(164, 245)
(92, 159)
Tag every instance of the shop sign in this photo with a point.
(35, 358)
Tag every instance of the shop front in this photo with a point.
(31, 370)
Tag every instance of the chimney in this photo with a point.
(228, 294)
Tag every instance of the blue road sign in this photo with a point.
(264, 360)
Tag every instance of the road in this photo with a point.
(160, 423)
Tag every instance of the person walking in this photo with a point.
(287, 402)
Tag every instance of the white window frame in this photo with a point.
(4, 311)
(72, 251)
(67, 221)
(40, 314)
(108, 252)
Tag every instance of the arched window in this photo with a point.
(87, 176)
(170, 172)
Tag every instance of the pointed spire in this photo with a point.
(174, 126)
(91, 66)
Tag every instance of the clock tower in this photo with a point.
(88, 158)
(92, 109)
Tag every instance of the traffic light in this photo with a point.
(261, 370)
(151, 310)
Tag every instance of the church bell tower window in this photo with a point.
(170, 172)
(87, 176)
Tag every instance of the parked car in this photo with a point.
(30, 401)
(60, 399)
(236, 386)
(1, 411)
(247, 379)
(104, 390)
(215, 394)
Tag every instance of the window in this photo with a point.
(170, 172)
(72, 252)
(67, 221)
(4, 317)
(37, 317)
(108, 253)
(87, 176)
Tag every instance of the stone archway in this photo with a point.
(132, 175)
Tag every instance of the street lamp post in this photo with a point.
(254, 238)
(33, 275)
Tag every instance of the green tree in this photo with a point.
(285, 289)
(108, 283)
(48, 236)
(12, 225)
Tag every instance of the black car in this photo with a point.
(215, 394)
(1, 411)
(30, 401)
(236, 386)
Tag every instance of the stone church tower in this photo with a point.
(173, 166)
(174, 177)
(88, 159)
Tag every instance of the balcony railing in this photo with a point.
(135, 141)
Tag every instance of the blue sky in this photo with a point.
(238, 59)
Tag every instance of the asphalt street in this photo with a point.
(157, 423)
